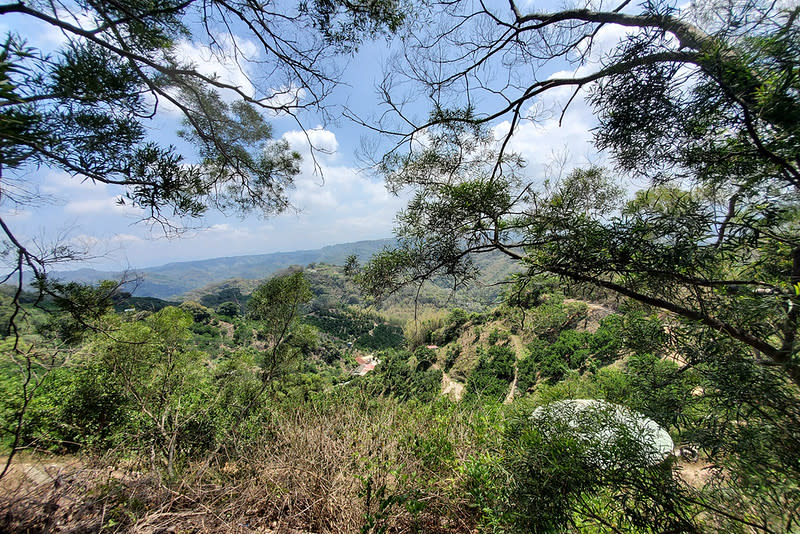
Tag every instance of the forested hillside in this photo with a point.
(363, 421)
(192, 280)
(176, 279)
(548, 344)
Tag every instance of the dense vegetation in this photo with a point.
(204, 402)
(321, 398)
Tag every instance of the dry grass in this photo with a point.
(309, 474)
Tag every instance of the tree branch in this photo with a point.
(777, 355)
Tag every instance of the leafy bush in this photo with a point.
(328, 351)
(453, 353)
(451, 330)
(496, 336)
(638, 332)
(571, 350)
(164, 381)
(394, 376)
(229, 309)
(243, 332)
(340, 322)
(660, 389)
(564, 473)
(494, 373)
(541, 361)
(200, 314)
(486, 483)
(425, 358)
(606, 343)
(383, 336)
(204, 329)
(368, 331)
(79, 406)
(548, 319)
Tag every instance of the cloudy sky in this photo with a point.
(342, 203)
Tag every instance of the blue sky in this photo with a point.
(341, 204)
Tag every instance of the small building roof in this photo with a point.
(364, 368)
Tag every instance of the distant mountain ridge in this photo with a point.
(174, 279)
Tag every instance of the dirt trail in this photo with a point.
(36, 471)
(519, 350)
(594, 314)
(452, 388)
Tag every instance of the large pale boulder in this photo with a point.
(613, 434)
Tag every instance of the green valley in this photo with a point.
(587, 320)
(293, 399)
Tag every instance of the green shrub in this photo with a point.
(75, 407)
(381, 337)
(229, 309)
(452, 355)
(544, 361)
(452, 328)
(571, 350)
(554, 315)
(243, 333)
(494, 373)
(643, 334)
(661, 389)
(486, 482)
(497, 335)
(566, 474)
(396, 377)
(425, 358)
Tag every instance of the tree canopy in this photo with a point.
(84, 107)
(700, 104)
(276, 306)
(698, 107)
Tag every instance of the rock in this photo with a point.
(614, 434)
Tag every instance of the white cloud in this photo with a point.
(42, 35)
(330, 193)
(607, 38)
(227, 63)
(126, 238)
(336, 204)
(57, 183)
(324, 141)
(557, 126)
(16, 214)
(91, 205)
(102, 206)
(544, 137)
(233, 60)
(341, 190)
(349, 206)
(284, 97)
